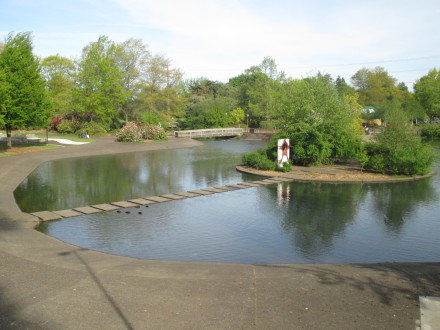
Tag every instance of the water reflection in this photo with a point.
(396, 203)
(317, 213)
(71, 183)
(279, 223)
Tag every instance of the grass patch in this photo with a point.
(21, 148)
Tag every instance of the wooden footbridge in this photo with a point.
(209, 133)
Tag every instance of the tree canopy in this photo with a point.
(23, 96)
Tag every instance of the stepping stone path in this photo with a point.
(78, 211)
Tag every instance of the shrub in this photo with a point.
(67, 126)
(398, 151)
(152, 132)
(93, 128)
(430, 131)
(258, 160)
(55, 121)
(129, 133)
(287, 167)
(133, 132)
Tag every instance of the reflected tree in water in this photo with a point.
(316, 213)
(395, 202)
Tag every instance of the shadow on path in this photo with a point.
(101, 287)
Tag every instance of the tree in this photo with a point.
(23, 97)
(59, 73)
(322, 125)
(427, 92)
(160, 88)
(99, 91)
(376, 87)
(132, 58)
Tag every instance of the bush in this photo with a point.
(133, 132)
(152, 119)
(430, 131)
(67, 126)
(287, 167)
(93, 128)
(398, 151)
(129, 133)
(259, 160)
(152, 132)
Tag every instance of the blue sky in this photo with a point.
(219, 39)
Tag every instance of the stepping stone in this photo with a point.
(125, 204)
(261, 182)
(105, 207)
(67, 213)
(282, 178)
(187, 194)
(273, 180)
(226, 188)
(141, 201)
(250, 184)
(238, 186)
(87, 210)
(46, 215)
(158, 199)
(214, 190)
(201, 192)
(173, 196)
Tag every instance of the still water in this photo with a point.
(279, 223)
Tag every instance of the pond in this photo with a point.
(279, 223)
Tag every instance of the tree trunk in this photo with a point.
(8, 137)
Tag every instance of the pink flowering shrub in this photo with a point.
(152, 132)
(133, 132)
(129, 133)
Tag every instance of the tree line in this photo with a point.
(115, 83)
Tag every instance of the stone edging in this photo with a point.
(331, 178)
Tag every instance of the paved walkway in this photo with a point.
(48, 284)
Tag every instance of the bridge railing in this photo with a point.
(211, 132)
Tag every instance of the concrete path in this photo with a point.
(48, 284)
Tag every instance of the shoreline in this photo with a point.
(331, 174)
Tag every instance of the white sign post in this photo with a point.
(283, 151)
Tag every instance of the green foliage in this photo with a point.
(287, 167)
(430, 131)
(129, 133)
(321, 125)
(398, 151)
(427, 92)
(68, 126)
(93, 128)
(258, 159)
(152, 132)
(148, 117)
(210, 113)
(23, 97)
(99, 91)
(376, 87)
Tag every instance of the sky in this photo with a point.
(219, 39)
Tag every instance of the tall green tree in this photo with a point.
(23, 96)
(322, 125)
(99, 90)
(427, 92)
(132, 58)
(161, 87)
(376, 87)
(59, 73)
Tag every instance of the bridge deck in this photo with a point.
(211, 132)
